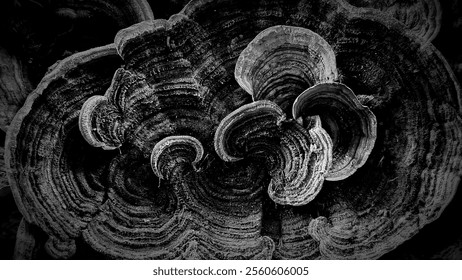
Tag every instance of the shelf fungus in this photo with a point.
(296, 159)
(56, 179)
(351, 126)
(240, 130)
(281, 64)
(282, 61)
(176, 150)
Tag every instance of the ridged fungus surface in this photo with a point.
(241, 130)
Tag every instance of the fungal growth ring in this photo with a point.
(303, 130)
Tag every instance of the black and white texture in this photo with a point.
(231, 129)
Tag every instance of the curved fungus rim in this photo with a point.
(170, 141)
(366, 128)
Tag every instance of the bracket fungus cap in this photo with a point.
(282, 61)
(352, 126)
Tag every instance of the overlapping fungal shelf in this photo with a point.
(283, 61)
(351, 126)
(56, 178)
(296, 159)
(189, 213)
(217, 137)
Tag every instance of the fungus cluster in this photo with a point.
(241, 130)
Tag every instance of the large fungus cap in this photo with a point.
(64, 173)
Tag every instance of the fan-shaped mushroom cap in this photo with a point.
(282, 61)
(296, 159)
(56, 178)
(175, 150)
(352, 126)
